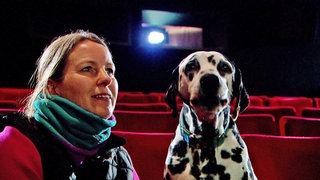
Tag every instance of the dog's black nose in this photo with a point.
(209, 84)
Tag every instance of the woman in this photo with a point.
(65, 132)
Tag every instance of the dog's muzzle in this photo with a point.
(209, 92)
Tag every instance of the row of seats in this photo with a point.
(126, 99)
(271, 132)
(138, 121)
(288, 125)
(156, 97)
(272, 157)
(154, 101)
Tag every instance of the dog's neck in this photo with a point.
(201, 133)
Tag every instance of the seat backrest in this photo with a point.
(13, 104)
(299, 126)
(298, 102)
(145, 121)
(161, 106)
(256, 124)
(148, 152)
(139, 98)
(317, 102)
(8, 110)
(257, 100)
(276, 111)
(283, 157)
(15, 94)
(254, 101)
(311, 112)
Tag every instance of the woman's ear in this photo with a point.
(51, 87)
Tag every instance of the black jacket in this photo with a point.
(111, 162)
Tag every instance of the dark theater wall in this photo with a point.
(275, 43)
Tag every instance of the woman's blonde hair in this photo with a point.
(51, 63)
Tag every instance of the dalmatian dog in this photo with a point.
(207, 143)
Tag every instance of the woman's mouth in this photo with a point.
(102, 96)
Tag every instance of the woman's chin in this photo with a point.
(106, 114)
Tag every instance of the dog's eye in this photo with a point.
(192, 65)
(224, 68)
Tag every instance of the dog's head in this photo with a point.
(207, 82)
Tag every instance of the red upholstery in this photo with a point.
(282, 158)
(276, 111)
(9, 104)
(7, 110)
(311, 112)
(299, 126)
(298, 102)
(148, 152)
(161, 106)
(138, 98)
(256, 124)
(15, 94)
(317, 102)
(144, 121)
(256, 101)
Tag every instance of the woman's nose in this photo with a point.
(104, 79)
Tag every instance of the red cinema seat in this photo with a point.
(13, 104)
(14, 93)
(276, 111)
(160, 106)
(298, 102)
(145, 121)
(257, 100)
(8, 110)
(299, 126)
(139, 98)
(254, 101)
(317, 102)
(148, 152)
(283, 157)
(311, 112)
(256, 124)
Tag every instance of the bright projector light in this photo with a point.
(155, 37)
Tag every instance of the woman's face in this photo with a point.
(88, 79)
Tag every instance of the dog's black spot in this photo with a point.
(178, 168)
(211, 60)
(225, 154)
(245, 176)
(207, 153)
(167, 176)
(237, 150)
(196, 158)
(213, 168)
(237, 155)
(195, 171)
(180, 149)
(225, 176)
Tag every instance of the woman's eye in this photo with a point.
(86, 69)
(110, 71)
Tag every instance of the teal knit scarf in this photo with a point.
(71, 122)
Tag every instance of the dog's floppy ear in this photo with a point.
(240, 93)
(172, 92)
